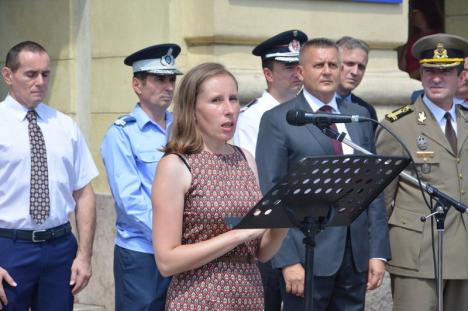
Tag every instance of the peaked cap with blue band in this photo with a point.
(283, 47)
(158, 59)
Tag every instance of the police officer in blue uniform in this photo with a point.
(131, 151)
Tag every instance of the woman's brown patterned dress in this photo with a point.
(222, 185)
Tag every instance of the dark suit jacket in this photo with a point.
(279, 147)
(361, 102)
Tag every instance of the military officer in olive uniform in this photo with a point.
(435, 130)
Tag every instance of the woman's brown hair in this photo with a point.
(184, 137)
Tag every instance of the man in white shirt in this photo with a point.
(280, 57)
(45, 174)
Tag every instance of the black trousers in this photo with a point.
(343, 291)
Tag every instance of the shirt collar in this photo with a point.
(438, 112)
(347, 97)
(269, 97)
(20, 111)
(316, 104)
(143, 119)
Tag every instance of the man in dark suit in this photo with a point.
(346, 258)
(354, 57)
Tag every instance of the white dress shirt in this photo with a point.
(248, 123)
(70, 165)
(315, 104)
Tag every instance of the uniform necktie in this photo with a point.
(450, 132)
(39, 201)
(336, 144)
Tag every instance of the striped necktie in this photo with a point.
(336, 144)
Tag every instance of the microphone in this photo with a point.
(300, 117)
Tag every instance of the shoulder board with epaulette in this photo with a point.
(463, 107)
(123, 120)
(399, 113)
(250, 104)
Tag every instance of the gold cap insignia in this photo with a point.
(440, 52)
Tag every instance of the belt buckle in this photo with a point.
(34, 239)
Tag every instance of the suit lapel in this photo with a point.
(355, 99)
(352, 128)
(322, 139)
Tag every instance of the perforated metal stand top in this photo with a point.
(320, 192)
(316, 184)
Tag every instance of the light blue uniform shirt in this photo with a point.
(439, 114)
(131, 152)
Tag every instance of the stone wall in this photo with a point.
(100, 290)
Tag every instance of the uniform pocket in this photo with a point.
(147, 162)
(427, 165)
(406, 234)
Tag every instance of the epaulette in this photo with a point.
(463, 107)
(123, 120)
(250, 104)
(399, 113)
(463, 110)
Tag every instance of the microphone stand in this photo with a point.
(444, 202)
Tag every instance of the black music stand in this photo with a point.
(320, 192)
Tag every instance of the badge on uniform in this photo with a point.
(168, 59)
(123, 120)
(421, 117)
(294, 46)
(425, 155)
(422, 142)
(425, 168)
(398, 113)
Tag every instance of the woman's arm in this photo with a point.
(272, 238)
(169, 188)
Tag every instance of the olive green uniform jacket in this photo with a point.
(410, 239)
